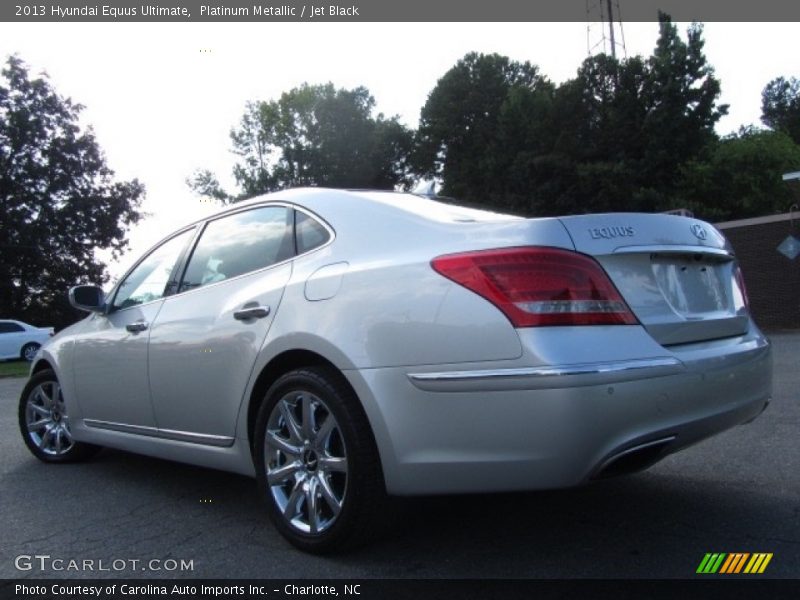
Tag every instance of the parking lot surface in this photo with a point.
(737, 492)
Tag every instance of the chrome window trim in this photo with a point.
(166, 434)
(328, 228)
(201, 225)
(268, 203)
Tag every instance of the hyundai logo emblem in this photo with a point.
(699, 231)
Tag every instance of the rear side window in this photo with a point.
(240, 243)
(10, 328)
(310, 232)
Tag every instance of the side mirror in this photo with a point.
(90, 298)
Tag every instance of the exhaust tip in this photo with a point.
(636, 458)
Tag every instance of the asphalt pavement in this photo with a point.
(737, 492)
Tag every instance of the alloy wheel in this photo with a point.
(306, 462)
(46, 419)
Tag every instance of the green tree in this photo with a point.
(594, 152)
(313, 135)
(59, 201)
(780, 106)
(458, 139)
(629, 126)
(742, 176)
(613, 138)
(681, 95)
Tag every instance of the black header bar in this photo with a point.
(390, 10)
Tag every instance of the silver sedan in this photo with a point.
(342, 347)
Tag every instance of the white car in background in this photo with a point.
(20, 340)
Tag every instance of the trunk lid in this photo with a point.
(677, 274)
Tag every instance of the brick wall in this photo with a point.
(772, 280)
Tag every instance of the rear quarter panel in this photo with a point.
(390, 307)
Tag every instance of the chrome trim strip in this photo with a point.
(196, 438)
(167, 434)
(673, 249)
(549, 371)
(137, 429)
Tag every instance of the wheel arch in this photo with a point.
(360, 497)
(41, 365)
(286, 361)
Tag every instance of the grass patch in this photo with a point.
(14, 368)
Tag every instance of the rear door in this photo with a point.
(677, 274)
(205, 340)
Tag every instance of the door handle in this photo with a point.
(251, 312)
(137, 326)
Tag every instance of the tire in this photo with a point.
(324, 490)
(29, 350)
(44, 422)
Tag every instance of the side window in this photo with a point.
(9, 327)
(310, 232)
(149, 279)
(240, 243)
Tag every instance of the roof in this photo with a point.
(416, 205)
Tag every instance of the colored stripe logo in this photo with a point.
(734, 563)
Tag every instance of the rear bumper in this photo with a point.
(499, 427)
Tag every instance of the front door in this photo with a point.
(110, 365)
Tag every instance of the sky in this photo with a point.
(163, 97)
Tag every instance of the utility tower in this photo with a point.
(604, 31)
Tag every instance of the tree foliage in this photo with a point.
(681, 95)
(314, 135)
(742, 176)
(613, 138)
(634, 134)
(780, 106)
(459, 138)
(59, 201)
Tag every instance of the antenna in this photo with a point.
(604, 34)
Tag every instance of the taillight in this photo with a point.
(536, 286)
(737, 274)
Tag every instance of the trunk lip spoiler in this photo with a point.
(673, 249)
